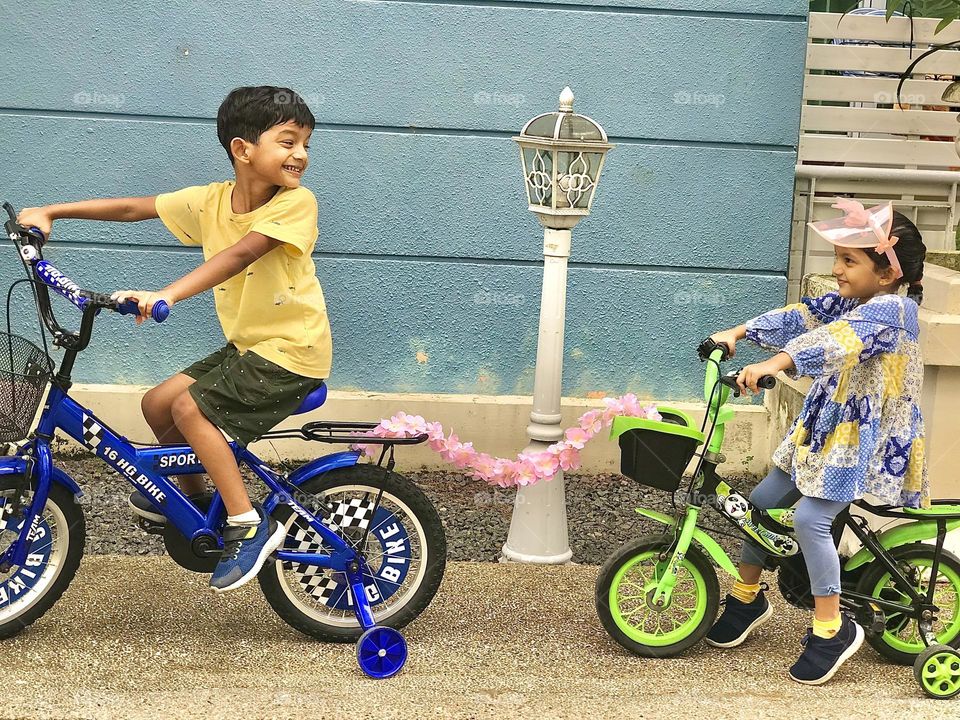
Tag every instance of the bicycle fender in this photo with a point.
(59, 476)
(322, 465)
(716, 553)
(897, 536)
(15, 465)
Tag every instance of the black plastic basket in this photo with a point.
(25, 371)
(656, 453)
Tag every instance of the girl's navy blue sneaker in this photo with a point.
(739, 619)
(822, 657)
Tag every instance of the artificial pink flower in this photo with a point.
(569, 459)
(577, 437)
(545, 463)
(590, 421)
(526, 474)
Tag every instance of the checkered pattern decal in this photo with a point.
(92, 432)
(323, 585)
(353, 514)
(4, 514)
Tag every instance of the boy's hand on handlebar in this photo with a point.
(38, 218)
(751, 374)
(145, 300)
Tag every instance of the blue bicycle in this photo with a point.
(365, 550)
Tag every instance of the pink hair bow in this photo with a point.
(861, 228)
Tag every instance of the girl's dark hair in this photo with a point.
(911, 253)
(247, 112)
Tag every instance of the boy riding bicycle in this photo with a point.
(257, 234)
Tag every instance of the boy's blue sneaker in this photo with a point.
(822, 657)
(739, 619)
(245, 549)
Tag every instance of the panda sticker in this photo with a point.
(735, 505)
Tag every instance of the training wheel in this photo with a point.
(937, 669)
(381, 652)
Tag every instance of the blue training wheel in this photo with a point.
(381, 652)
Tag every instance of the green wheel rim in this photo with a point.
(940, 675)
(648, 626)
(947, 597)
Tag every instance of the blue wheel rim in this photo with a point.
(381, 652)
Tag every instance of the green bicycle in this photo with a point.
(658, 595)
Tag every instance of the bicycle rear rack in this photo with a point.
(332, 431)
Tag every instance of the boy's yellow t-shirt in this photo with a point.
(275, 306)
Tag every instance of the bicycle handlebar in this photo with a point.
(767, 382)
(28, 242)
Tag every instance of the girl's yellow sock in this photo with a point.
(745, 593)
(827, 628)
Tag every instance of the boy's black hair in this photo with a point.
(911, 253)
(247, 112)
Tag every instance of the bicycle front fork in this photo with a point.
(674, 560)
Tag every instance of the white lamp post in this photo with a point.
(562, 155)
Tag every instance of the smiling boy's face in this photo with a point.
(279, 157)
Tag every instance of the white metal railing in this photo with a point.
(855, 140)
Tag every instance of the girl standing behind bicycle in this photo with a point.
(860, 430)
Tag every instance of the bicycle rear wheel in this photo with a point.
(900, 640)
(405, 554)
(54, 554)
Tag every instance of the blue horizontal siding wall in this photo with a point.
(428, 257)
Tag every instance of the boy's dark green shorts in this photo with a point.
(246, 395)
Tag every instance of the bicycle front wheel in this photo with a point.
(624, 598)
(56, 547)
(405, 554)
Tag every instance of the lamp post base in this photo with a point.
(538, 530)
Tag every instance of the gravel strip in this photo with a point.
(600, 512)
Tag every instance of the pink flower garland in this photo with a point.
(529, 467)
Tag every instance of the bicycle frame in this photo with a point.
(147, 469)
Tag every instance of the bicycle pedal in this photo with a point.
(875, 618)
(150, 527)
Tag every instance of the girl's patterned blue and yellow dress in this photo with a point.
(860, 430)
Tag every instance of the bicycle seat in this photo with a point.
(315, 399)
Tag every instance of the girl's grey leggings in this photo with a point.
(811, 524)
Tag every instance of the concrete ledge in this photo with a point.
(941, 289)
(495, 424)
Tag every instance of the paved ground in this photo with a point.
(138, 637)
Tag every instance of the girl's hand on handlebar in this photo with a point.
(729, 338)
(751, 374)
(38, 218)
(145, 300)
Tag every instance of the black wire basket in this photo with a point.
(25, 371)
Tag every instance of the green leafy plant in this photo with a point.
(946, 10)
